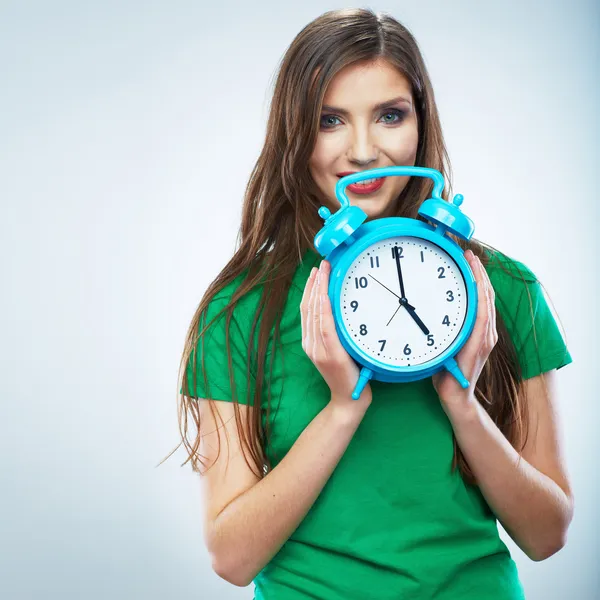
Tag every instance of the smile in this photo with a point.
(368, 186)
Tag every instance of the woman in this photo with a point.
(395, 495)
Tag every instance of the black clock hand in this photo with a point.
(397, 255)
(403, 300)
(387, 288)
(413, 314)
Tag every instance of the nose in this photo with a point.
(362, 149)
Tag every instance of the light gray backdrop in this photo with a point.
(127, 133)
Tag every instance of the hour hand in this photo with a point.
(413, 314)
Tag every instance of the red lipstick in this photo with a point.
(361, 188)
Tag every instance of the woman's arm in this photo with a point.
(250, 530)
(532, 497)
(247, 532)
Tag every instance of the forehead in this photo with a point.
(367, 83)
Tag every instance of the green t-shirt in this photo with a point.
(393, 521)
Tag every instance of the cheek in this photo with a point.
(327, 150)
(316, 160)
(402, 148)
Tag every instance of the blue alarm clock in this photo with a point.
(403, 296)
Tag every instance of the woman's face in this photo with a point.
(355, 134)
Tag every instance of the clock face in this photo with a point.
(403, 329)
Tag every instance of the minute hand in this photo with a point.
(399, 268)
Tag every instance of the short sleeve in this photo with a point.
(524, 307)
(212, 347)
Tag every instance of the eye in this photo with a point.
(326, 120)
(397, 113)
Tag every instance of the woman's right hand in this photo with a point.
(321, 343)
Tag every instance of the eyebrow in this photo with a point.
(377, 107)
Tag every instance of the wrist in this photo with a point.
(463, 413)
(346, 411)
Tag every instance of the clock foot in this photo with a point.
(452, 366)
(363, 379)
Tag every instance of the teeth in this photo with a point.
(366, 182)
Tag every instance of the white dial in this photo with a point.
(403, 329)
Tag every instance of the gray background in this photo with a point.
(127, 133)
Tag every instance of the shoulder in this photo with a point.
(243, 307)
(531, 321)
(523, 304)
(516, 287)
(503, 269)
(248, 305)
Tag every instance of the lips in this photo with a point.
(360, 188)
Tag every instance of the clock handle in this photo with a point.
(452, 366)
(363, 379)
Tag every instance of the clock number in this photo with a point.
(374, 263)
(362, 282)
(446, 321)
(397, 250)
(363, 330)
(441, 273)
(422, 257)
(430, 341)
(450, 298)
(354, 305)
(407, 350)
(383, 344)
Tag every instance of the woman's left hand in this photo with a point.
(475, 352)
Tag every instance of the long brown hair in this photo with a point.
(280, 219)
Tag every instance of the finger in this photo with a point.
(492, 300)
(477, 337)
(309, 316)
(489, 301)
(309, 283)
(324, 307)
(305, 296)
(485, 303)
(488, 304)
(314, 312)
